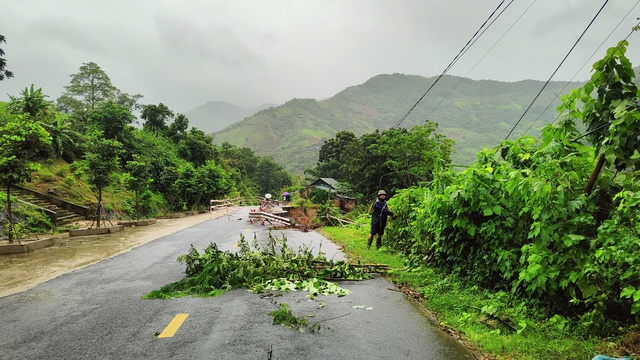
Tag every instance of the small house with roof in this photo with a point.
(340, 199)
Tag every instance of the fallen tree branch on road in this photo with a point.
(275, 267)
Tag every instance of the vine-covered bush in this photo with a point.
(524, 219)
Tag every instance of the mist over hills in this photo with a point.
(477, 114)
(216, 115)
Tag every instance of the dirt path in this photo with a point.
(20, 272)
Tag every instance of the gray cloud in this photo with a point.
(251, 52)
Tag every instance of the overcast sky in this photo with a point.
(185, 53)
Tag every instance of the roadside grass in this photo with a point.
(498, 324)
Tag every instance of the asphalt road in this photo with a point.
(97, 312)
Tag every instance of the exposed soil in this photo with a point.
(303, 218)
(20, 272)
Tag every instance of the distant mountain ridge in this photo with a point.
(477, 114)
(216, 115)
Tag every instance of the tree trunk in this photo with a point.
(99, 213)
(594, 175)
(9, 213)
(137, 211)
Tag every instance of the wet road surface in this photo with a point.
(97, 312)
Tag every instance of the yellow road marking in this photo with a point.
(235, 245)
(173, 326)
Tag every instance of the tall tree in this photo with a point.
(130, 101)
(102, 159)
(155, 118)
(178, 128)
(88, 88)
(4, 73)
(136, 179)
(20, 140)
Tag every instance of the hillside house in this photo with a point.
(340, 199)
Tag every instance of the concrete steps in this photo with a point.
(58, 215)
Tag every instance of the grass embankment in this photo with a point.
(498, 324)
(68, 181)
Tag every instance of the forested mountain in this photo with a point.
(477, 115)
(216, 115)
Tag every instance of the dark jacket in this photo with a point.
(380, 212)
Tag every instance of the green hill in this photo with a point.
(477, 114)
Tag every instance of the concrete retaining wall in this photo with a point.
(138, 222)
(96, 231)
(26, 246)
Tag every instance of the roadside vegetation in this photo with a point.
(88, 147)
(498, 324)
(532, 252)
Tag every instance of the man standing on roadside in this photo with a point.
(379, 219)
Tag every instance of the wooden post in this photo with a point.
(594, 175)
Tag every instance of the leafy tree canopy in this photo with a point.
(4, 73)
(156, 117)
(32, 102)
(391, 159)
(87, 89)
(112, 119)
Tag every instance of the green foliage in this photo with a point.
(29, 219)
(258, 269)
(186, 168)
(500, 324)
(111, 119)
(102, 160)
(136, 179)
(285, 317)
(20, 141)
(87, 89)
(519, 219)
(196, 147)
(47, 176)
(612, 116)
(69, 181)
(147, 205)
(391, 159)
(254, 175)
(4, 73)
(319, 196)
(155, 118)
(32, 103)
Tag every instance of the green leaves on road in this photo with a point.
(275, 267)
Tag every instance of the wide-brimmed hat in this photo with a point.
(381, 192)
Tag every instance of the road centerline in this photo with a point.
(173, 326)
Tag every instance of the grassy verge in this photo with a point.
(498, 324)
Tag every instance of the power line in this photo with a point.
(483, 56)
(455, 59)
(488, 26)
(606, 59)
(582, 67)
(556, 70)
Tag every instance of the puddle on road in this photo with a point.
(19, 272)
